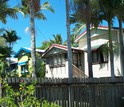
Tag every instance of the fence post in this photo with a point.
(69, 95)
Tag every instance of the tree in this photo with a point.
(57, 39)
(10, 38)
(40, 67)
(4, 53)
(5, 11)
(108, 9)
(120, 16)
(33, 9)
(2, 42)
(72, 38)
(78, 28)
(45, 45)
(81, 8)
(70, 70)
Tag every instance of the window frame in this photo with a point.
(101, 57)
(56, 60)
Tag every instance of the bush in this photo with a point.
(23, 97)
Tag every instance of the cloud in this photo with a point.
(27, 29)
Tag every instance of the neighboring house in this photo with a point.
(100, 56)
(13, 63)
(24, 59)
(57, 62)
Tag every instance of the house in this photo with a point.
(100, 55)
(24, 60)
(13, 63)
(57, 62)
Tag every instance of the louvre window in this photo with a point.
(98, 56)
(56, 60)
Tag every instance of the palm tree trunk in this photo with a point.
(69, 42)
(89, 56)
(70, 70)
(32, 33)
(121, 46)
(111, 49)
(89, 52)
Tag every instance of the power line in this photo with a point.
(36, 25)
(41, 32)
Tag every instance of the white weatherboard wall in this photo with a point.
(57, 72)
(102, 70)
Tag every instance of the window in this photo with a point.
(75, 59)
(63, 58)
(24, 69)
(98, 56)
(56, 60)
(95, 58)
(59, 60)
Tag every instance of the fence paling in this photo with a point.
(96, 92)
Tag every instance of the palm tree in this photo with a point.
(120, 16)
(81, 8)
(72, 38)
(78, 28)
(108, 9)
(5, 11)
(45, 45)
(57, 39)
(11, 38)
(33, 9)
(70, 70)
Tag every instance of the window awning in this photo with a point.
(95, 44)
(22, 63)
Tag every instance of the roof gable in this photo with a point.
(57, 48)
(27, 50)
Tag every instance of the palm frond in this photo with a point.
(46, 6)
(40, 15)
(78, 28)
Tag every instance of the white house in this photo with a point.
(57, 62)
(100, 57)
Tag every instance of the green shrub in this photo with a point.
(47, 104)
(23, 97)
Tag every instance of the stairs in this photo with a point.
(78, 73)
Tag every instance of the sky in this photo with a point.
(55, 24)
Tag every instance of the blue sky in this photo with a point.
(55, 24)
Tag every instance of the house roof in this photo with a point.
(12, 60)
(63, 47)
(28, 50)
(99, 27)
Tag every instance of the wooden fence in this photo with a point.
(97, 92)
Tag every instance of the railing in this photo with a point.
(78, 73)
